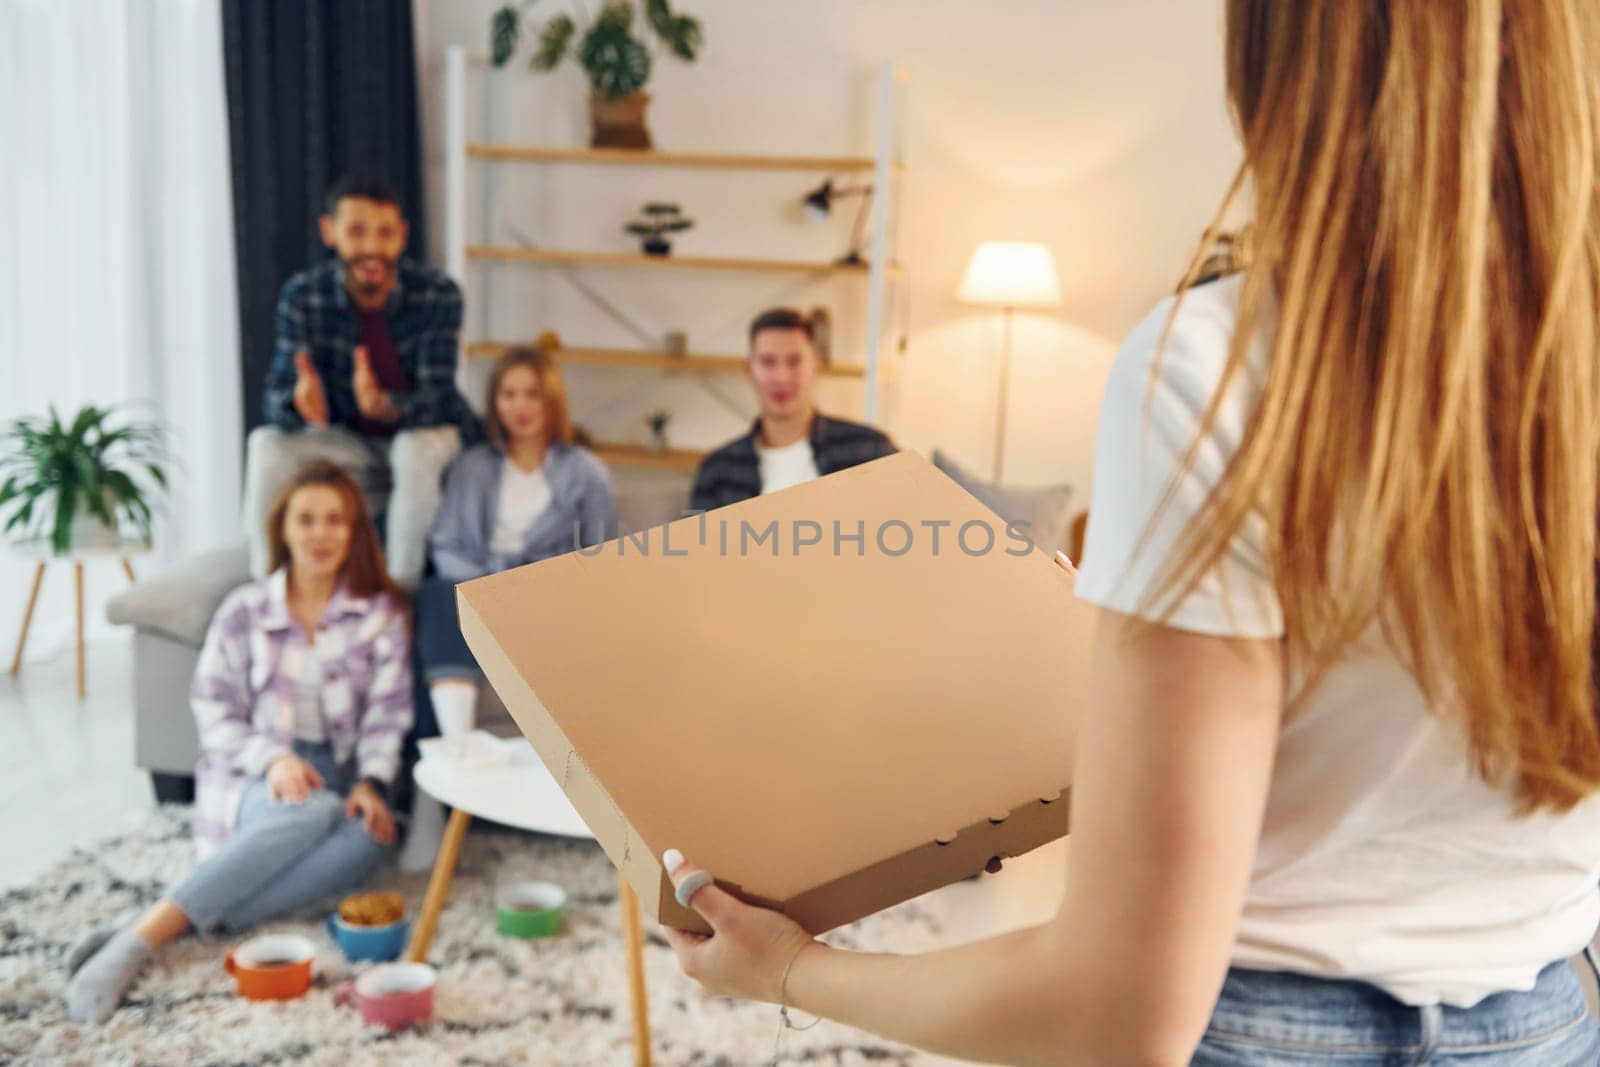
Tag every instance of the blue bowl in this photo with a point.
(369, 942)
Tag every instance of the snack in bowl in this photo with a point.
(372, 909)
(370, 926)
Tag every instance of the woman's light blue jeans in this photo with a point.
(1266, 1019)
(282, 857)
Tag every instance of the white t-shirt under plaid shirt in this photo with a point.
(301, 676)
(1383, 857)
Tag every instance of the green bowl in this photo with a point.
(529, 910)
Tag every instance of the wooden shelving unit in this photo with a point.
(880, 170)
(513, 254)
(645, 358)
(653, 158)
(672, 459)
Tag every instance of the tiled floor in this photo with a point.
(66, 765)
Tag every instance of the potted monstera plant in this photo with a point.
(81, 482)
(615, 52)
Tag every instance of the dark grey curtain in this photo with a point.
(315, 88)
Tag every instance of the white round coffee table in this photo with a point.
(521, 793)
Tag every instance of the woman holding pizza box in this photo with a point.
(1335, 799)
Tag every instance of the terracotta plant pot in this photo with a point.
(618, 123)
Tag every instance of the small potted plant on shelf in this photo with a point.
(616, 57)
(657, 421)
(658, 220)
(80, 483)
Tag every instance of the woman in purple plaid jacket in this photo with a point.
(303, 699)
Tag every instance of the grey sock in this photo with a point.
(90, 943)
(97, 989)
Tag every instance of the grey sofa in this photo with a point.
(169, 615)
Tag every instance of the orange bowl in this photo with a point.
(273, 967)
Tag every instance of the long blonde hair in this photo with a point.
(558, 426)
(1425, 450)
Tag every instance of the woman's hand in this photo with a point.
(365, 803)
(749, 948)
(292, 779)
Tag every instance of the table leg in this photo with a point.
(77, 586)
(444, 869)
(27, 619)
(127, 568)
(633, 934)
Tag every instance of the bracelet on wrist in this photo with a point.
(783, 991)
(784, 1022)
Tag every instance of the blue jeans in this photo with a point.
(1266, 1019)
(440, 646)
(442, 652)
(283, 857)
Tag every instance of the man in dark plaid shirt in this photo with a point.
(791, 442)
(364, 374)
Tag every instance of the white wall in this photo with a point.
(1099, 128)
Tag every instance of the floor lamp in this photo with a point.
(1009, 275)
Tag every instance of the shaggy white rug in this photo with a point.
(500, 1001)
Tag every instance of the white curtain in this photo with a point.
(116, 259)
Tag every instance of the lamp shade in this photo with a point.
(1010, 274)
(818, 203)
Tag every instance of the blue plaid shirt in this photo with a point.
(315, 314)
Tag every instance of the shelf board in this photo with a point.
(511, 254)
(641, 357)
(651, 158)
(625, 455)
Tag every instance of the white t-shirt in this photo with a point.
(1382, 857)
(524, 496)
(302, 672)
(786, 466)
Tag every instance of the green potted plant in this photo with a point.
(616, 57)
(656, 221)
(657, 421)
(82, 482)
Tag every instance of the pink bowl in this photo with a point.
(393, 995)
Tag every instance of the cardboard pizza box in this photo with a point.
(834, 698)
